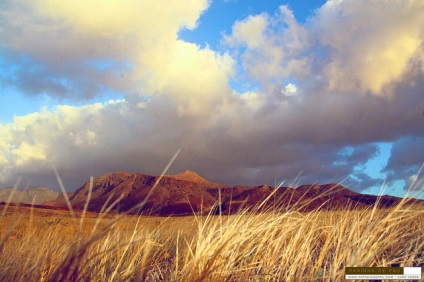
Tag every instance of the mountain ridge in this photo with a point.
(187, 192)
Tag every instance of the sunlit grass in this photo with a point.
(270, 245)
(42, 245)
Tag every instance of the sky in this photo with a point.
(252, 92)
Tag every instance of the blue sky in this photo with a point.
(251, 91)
(221, 15)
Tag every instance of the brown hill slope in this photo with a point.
(187, 192)
(170, 196)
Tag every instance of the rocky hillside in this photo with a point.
(187, 192)
(170, 196)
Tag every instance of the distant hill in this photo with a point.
(39, 194)
(59, 201)
(188, 192)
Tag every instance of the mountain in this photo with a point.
(191, 176)
(37, 194)
(188, 192)
(170, 196)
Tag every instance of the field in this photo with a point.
(49, 245)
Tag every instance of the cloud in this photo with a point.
(290, 89)
(405, 161)
(414, 185)
(328, 91)
(206, 88)
(351, 48)
(271, 47)
(55, 44)
(369, 45)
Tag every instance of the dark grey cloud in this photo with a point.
(406, 159)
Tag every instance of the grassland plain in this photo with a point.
(56, 245)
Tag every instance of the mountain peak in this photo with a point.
(189, 175)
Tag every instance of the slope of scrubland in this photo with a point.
(49, 245)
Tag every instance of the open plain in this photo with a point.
(38, 244)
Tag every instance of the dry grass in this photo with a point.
(44, 245)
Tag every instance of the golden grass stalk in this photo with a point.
(272, 245)
(253, 245)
